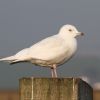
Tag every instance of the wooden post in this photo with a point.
(54, 89)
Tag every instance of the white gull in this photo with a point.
(50, 52)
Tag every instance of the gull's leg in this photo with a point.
(55, 70)
(52, 72)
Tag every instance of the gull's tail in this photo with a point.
(8, 59)
(21, 56)
(11, 60)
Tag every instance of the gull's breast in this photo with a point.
(70, 51)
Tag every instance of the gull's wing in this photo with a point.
(49, 48)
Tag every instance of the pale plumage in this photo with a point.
(50, 52)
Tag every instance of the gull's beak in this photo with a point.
(81, 33)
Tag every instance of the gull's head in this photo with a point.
(69, 30)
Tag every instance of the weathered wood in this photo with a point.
(54, 89)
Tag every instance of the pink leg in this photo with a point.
(54, 71)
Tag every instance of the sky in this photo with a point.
(25, 22)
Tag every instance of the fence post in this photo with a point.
(54, 89)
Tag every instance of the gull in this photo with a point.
(51, 51)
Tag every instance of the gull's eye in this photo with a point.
(70, 30)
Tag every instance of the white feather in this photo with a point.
(56, 49)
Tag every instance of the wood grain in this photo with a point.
(54, 89)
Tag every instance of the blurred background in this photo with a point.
(25, 22)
